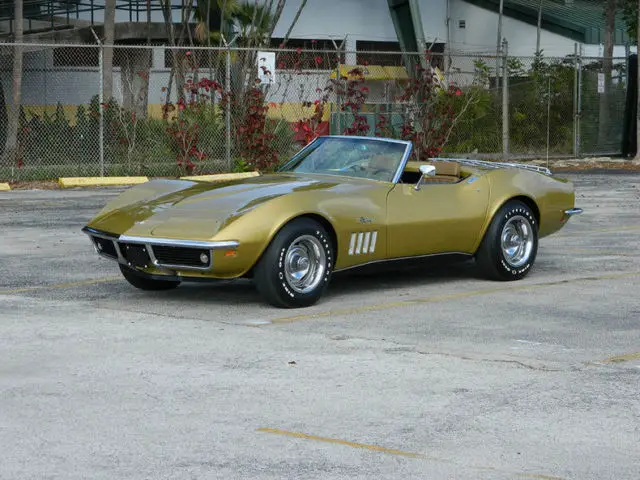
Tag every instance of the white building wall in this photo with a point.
(356, 20)
(481, 34)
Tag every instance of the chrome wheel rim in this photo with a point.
(305, 264)
(517, 241)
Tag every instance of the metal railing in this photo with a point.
(47, 15)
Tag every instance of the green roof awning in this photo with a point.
(581, 20)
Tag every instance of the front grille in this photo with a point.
(105, 247)
(181, 256)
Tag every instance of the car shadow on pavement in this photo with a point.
(368, 279)
(398, 275)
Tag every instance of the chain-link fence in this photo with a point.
(168, 111)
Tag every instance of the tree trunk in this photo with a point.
(107, 56)
(607, 66)
(11, 149)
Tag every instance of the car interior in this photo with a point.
(446, 172)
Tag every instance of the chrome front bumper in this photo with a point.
(573, 211)
(163, 253)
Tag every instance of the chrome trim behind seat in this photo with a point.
(487, 164)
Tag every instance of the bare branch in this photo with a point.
(276, 16)
(293, 23)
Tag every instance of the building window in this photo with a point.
(314, 54)
(75, 57)
(369, 53)
(89, 56)
(196, 59)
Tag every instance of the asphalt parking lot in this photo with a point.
(425, 373)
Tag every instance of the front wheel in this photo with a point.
(296, 267)
(510, 245)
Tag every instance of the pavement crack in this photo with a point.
(399, 347)
(165, 315)
(499, 360)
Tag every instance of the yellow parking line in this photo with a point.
(342, 442)
(541, 477)
(393, 451)
(622, 358)
(58, 285)
(451, 296)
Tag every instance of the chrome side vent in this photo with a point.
(363, 243)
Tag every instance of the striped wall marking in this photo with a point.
(362, 243)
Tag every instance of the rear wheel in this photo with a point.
(296, 267)
(510, 245)
(144, 283)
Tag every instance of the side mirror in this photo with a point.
(425, 170)
(428, 170)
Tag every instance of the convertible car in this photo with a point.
(341, 202)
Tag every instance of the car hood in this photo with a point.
(201, 209)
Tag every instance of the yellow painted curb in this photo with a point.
(4, 187)
(221, 177)
(68, 182)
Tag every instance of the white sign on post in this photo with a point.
(600, 82)
(267, 67)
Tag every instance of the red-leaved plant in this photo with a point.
(430, 115)
(183, 130)
(255, 141)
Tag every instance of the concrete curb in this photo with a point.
(4, 187)
(68, 182)
(221, 177)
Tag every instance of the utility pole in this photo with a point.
(11, 149)
(499, 43)
(539, 30)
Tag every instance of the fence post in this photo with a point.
(505, 101)
(227, 87)
(579, 106)
(100, 102)
(575, 100)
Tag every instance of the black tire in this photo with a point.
(491, 258)
(143, 283)
(270, 274)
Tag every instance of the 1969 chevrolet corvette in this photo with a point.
(340, 202)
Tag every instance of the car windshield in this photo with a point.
(353, 157)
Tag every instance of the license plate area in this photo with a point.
(136, 255)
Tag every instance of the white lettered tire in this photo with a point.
(296, 267)
(510, 244)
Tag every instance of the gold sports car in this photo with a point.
(340, 202)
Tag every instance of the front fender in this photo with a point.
(344, 211)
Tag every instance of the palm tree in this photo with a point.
(211, 21)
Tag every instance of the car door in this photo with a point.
(437, 218)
